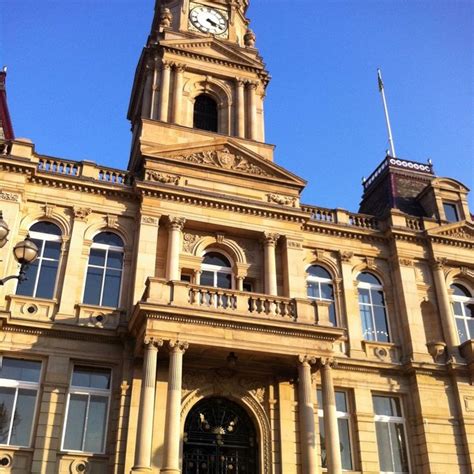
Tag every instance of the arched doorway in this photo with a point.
(219, 438)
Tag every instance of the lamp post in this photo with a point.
(25, 252)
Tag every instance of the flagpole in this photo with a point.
(387, 118)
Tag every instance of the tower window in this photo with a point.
(205, 113)
(451, 212)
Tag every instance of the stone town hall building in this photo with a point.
(191, 315)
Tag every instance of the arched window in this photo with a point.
(216, 271)
(372, 308)
(320, 287)
(205, 113)
(463, 307)
(41, 274)
(104, 271)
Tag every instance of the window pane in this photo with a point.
(457, 308)
(459, 290)
(450, 212)
(52, 250)
(47, 279)
(115, 260)
(341, 403)
(224, 280)
(470, 326)
(377, 298)
(18, 369)
(382, 406)
(368, 278)
(214, 258)
(381, 324)
(7, 396)
(95, 432)
(23, 420)
(461, 330)
(313, 290)
(207, 278)
(75, 422)
(345, 442)
(108, 238)
(397, 436)
(319, 395)
(326, 291)
(469, 309)
(318, 271)
(368, 331)
(91, 377)
(110, 296)
(97, 257)
(46, 228)
(26, 287)
(93, 286)
(322, 442)
(332, 314)
(383, 445)
(364, 296)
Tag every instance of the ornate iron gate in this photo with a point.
(219, 438)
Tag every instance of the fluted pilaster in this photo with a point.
(269, 244)
(175, 227)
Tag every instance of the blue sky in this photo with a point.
(71, 65)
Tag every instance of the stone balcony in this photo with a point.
(173, 303)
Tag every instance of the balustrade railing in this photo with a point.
(414, 223)
(362, 220)
(272, 306)
(212, 298)
(50, 165)
(320, 214)
(114, 176)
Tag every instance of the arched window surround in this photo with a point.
(462, 297)
(43, 274)
(318, 288)
(105, 268)
(205, 113)
(373, 307)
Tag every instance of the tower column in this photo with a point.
(178, 93)
(333, 452)
(165, 90)
(154, 90)
(306, 415)
(269, 244)
(240, 110)
(147, 403)
(173, 408)
(252, 119)
(175, 226)
(146, 102)
(447, 319)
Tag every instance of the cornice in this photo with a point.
(454, 242)
(343, 231)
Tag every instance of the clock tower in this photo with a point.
(199, 80)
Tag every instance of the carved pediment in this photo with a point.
(225, 157)
(458, 230)
(211, 48)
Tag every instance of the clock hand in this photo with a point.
(213, 23)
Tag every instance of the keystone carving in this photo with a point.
(152, 175)
(346, 255)
(48, 210)
(166, 18)
(282, 200)
(82, 213)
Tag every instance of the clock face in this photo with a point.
(208, 20)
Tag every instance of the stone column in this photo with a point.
(240, 283)
(240, 110)
(178, 93)
(446, 313)
(175, 226)
(173, 408)
(269, 244)
(309, 458)
(165, 91)
(333, 451)
(252, 115)
(154, 90)
(146, 101)
(147, 405)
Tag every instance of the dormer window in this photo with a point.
(451, 213)
(205, 113)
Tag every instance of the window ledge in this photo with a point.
(31, 309)
(98, 316)
(382, 351)
(467, 350)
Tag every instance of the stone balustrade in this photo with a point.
(51, 165)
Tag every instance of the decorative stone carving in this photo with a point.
(465, 271)
(152, 175)
(111, 220)
(9, 197)
(166, 18)
(406, 262)
(152, 341)
(319, 254)
(436, 349)
(270, 238)
(250, 38)
(346, 255)
(294, 244)
(176, 223)
(459, 233)
(149, 220)
(188, 242)
(255, 387)
(178, 346)
(439, 263)
(306, 359)
(328, 361)
(370, 262)
(48, 210)
(469, 403)
(82, 213)
(282, 200)
(224, 159)
(220, 237)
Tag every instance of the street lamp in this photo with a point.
(25, 252)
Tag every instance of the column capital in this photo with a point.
(327, 362)
(178, 346)
(151, 343)
(179, 67)
(240, 81)
(270, 238)
(439, 263)
(176, 223)
(166, 64)
(252, 85)
(306, 360)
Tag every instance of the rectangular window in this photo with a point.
(343, 423)
(87, 410)
(391, 435)
(19, 385)
(450, 212)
